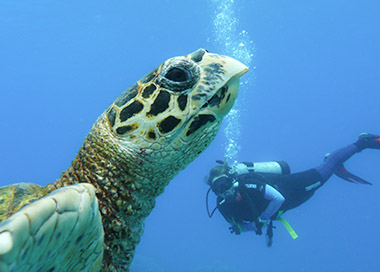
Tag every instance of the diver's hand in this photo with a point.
(240, 169)
(259, 224)
(263, 221)
(235, 229)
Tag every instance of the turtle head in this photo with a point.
(172, 114)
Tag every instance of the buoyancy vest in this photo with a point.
(264, 173)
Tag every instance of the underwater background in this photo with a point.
(313, 87)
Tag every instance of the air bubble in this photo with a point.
(230, 41)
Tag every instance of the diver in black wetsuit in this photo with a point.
(251, 195)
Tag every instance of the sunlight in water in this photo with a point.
(233, 42)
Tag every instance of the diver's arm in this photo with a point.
(237, 227)
(240, 227)
(276, 199)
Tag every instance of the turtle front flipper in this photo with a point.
(59, 232)
(15, 196)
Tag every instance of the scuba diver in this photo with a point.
(251, 195)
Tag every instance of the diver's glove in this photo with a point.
(259, 224)
(235, 229)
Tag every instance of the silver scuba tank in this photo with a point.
(271, 167)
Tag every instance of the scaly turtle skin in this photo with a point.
(151, 132)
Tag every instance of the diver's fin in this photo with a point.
(367, 140)
(343, 173)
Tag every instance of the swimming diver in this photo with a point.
(251, 195)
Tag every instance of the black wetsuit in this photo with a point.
(250, 201)
(296, 188)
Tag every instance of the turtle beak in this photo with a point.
(222, 75)
(230, 66)
(233, 68)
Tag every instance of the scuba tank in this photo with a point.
(271, 167)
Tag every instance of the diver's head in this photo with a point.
(224, 186)
(222, 183)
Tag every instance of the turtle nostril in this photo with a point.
(198, 55)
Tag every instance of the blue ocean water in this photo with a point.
(313, 86)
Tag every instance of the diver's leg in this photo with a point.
(335, 159)
(297, 188)
(338, 157)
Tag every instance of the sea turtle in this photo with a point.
(92, 217)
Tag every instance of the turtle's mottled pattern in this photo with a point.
(150, 133)
(52, 231)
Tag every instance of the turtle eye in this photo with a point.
(177, 75)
